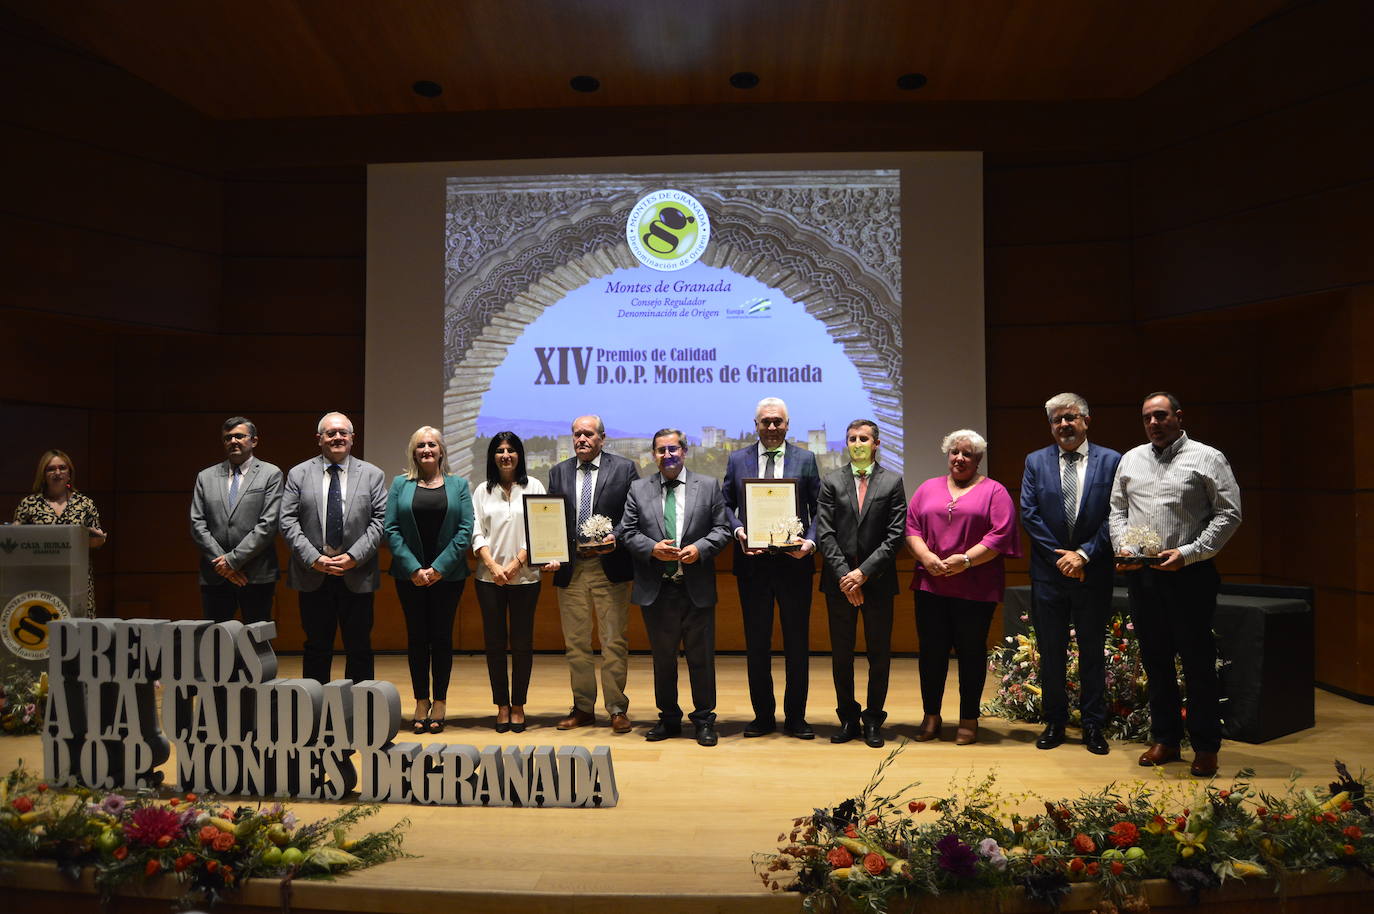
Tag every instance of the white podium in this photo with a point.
(43, 576)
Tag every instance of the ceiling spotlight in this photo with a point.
(744, 79)
(585, 83)
(428, 88)
(909, 81)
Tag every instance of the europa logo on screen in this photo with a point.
(668, 230)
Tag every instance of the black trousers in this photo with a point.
(1172, 612)
(844, 620)
(673, 621)
(516, 602)
(333, 607)
(950, 622)
(1085, 608)
(772, 579)
(429, 613)
(220, 602)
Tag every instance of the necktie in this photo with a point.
(584, 494)
(1070, 485)
(862, 476)
(772, 464)
(333, 515)
(234, 476)
(670, 518)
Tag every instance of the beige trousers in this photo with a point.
(591, 595)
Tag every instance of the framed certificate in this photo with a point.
(546, 529)
(767, 503)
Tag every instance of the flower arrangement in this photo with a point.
(787, 530)
(207, 846)
(22, 697)
(876, 850)
(595, 529)
(1016, 669)
(1142, 540)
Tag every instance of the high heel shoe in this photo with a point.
(967, 732)
(502, 725)
(930, 728)
(420, 722)
(517, 726)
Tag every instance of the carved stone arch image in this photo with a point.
(828, 241)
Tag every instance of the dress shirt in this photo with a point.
(777, 463)
(1082, 467)
(681, 506)
(324, 496)
(243, 475)
(1185, 492)
(498, 522)
(577, 485)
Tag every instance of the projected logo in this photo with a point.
(25, 623)
(668, 230)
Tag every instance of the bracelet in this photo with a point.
(968, 562)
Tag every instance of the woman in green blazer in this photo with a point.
(429, 526)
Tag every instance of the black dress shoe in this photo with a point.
(849, 729)
(1094, 741)
(706, 734)
(760, 726)
(663, 730)
(799, 730)
(1053, 736)
(873, 734)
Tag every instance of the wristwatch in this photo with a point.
(968, 562)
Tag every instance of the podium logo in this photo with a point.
(25, 623)
(668, 230)
(9, 545)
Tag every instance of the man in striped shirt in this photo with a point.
(1183, 491)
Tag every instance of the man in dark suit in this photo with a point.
(234, 523)
(860, 521)
(783, 577)
(675, 585)
(332, 511)
(595, 586)
(1065, 499)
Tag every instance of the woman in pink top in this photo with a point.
(959, 526)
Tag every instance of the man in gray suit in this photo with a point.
(233, 523)
(331, 517)
(675, 586)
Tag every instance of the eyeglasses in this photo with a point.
(771, 422)
(668, 449)
(1070, 418)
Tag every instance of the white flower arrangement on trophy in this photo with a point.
(785, 532)
(1142, 541)
(593, 531)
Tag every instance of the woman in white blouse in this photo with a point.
(507, 587)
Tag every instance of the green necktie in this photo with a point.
(670, 518)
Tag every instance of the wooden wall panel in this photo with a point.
(1058, 284)
(295, 218)
(1021, 373)
(291, 296)
(1060, 202)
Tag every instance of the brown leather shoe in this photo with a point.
(621, 723)
(1204, 764)
(930, 728)
(576, 719)
(1159, 754)
(967, 732)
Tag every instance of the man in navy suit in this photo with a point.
(784, 578)
(594, 588)
(1065, 500)
(674, 524)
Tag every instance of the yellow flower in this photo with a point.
(1191, 842)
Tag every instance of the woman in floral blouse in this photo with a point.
(56, 501)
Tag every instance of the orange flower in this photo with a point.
(1093, 868)
(1118, 867)
(872, 819)
(1125, 834)
(850, 832)
(839, 857)
(211, 866)
(223, 841)
(1352, 831)
(1345, 807)
(1076, 865)
(163, 841)
(22, 804)
(875, 864)
(1038, 860)
(208, 833)
(121, 852)
(1084, 844)
(190, 798)
(42, 788)
(152, 866)
(916, 806)
(184, 861)
(1349, 850)
(174, 802)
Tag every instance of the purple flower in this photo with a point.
(989, 848)
(956, 857)
(289, 820)
(113, 804)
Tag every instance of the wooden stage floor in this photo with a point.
(689, 817)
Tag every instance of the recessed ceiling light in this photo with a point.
(585, 83)
(909, 81)
(744, 79)
(428, 88)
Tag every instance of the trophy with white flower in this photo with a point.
(1143, 544)
(593, 535)
(785, 535)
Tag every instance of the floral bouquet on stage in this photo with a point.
(592, 535)
(785, 535)
(22, 697)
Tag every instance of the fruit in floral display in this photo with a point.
(1135, 853)
(108, 840)
(292, 856)
(272, 856)
(278, 835)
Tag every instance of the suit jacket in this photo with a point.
(869, 540)
(1042, 514)
(704, 526)
(798, 463)
(302, 523)
(403, 535)
(243, 533)
(613, 478)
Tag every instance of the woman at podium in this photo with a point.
(55, 500)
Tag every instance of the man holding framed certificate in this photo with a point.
(766, 487)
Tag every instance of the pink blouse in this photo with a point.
(984, 515)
